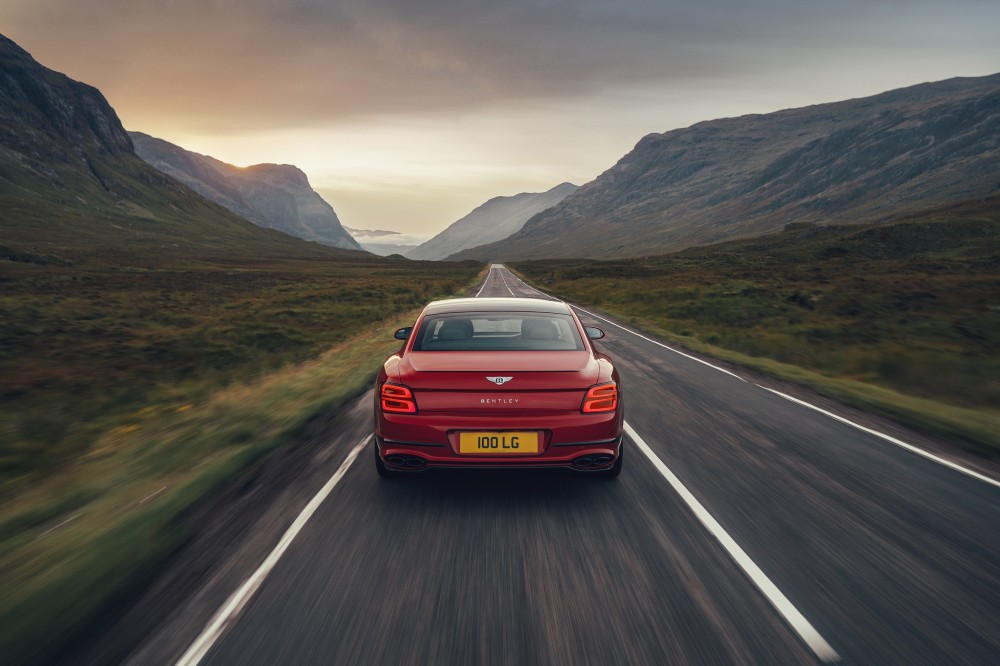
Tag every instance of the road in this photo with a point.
(746, 528)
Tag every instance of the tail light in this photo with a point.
(601, 398)
(398, 399)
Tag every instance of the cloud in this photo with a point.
(238, 65)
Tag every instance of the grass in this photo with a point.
(153, 345)
(163, 383)
(60, 578)
(902, 318)
(84, 348)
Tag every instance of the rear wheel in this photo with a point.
(616, 469)
(381, 468)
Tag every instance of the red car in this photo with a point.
(498, 382)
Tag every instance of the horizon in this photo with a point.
(407, 116)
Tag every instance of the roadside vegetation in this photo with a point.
(127, 395)
(902, 317)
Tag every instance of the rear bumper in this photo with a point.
(587, 457)
(574, 441)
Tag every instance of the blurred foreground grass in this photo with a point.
(131, 398)
(902, 318)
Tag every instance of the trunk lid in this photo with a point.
(465, 382)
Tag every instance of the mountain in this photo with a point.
(276, 196)
(867, 159)
(72, 188)
(496, 219)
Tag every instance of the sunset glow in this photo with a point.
(406, 115)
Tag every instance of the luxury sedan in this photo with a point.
(498, 382)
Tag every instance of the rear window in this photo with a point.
(498, 331)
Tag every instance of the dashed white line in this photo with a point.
(505, 282)
(890, 439)
(795, 619)
(227, 615)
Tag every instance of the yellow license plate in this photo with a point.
(498, 443)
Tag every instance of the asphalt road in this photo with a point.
(788, 536)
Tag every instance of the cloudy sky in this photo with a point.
(406, 114)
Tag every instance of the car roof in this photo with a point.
(454, 305)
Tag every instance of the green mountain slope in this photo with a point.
(276, 196)
(859, 160)
(72, 187)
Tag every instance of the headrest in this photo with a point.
(539, 329)
(455, 329)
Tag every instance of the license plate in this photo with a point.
(498, 443)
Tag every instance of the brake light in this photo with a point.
(601, 398)
(399, 399)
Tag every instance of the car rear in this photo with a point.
(518, 386)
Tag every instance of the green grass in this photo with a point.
(187, 439)
(153, 345)
(903, 318)
(83, 348)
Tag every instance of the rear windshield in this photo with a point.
(498, 331)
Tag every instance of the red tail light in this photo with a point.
(398, 399)
(601, 398)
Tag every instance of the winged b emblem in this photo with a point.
(499, 381)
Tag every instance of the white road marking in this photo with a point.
(505, 281)
(63, 523)
(226, 616)
(485, 282)
(891, 439)
(152, 495)
(795, 619)
(640, 335)
(888, 438)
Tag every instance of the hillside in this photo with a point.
(495, 220)
(72, 188)
(909, 306)
(867, 159)
(150, 338)
(276, 196)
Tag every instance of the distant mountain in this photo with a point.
(494, 220)
(276, 196)
(385, 249)
(72, 188)
(864, 159)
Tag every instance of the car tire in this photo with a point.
(381, 468)
(616, 469)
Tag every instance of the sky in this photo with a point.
(407, 114)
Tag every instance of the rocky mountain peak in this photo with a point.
(76, 114)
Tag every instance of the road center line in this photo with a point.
(226, 616)
(505, 283)
(795, 619)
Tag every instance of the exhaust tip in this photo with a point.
(404, 460)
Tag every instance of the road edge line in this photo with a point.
(655, 342)
(778, 600)
(889, 438)
(892, 440)
(226, 616)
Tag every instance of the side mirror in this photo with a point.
(403, 333)
(594, 333)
